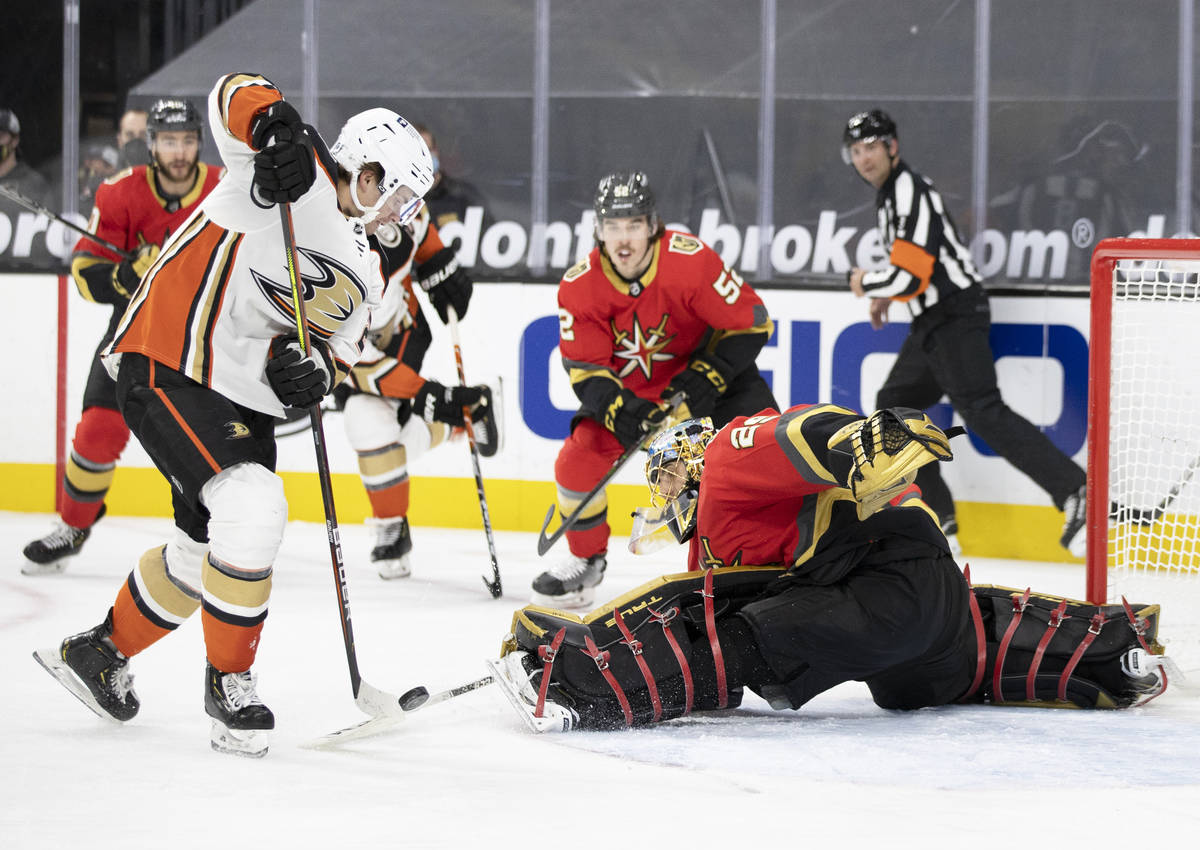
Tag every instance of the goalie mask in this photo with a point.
(867, 127)
(381, 136)
(673, 475)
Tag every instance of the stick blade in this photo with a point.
(544, 543)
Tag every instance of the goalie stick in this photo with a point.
(410, 701)
(493, 585)
(34, 207)
(545, 541)
(370, 700)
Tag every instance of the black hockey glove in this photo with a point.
(631, 418)
(284, 168)
(127, 274)
(435, 402)
(701, 383)
(446, 283)
(299, 381)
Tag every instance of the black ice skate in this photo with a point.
(239, 719)
(570, 583)
(485, 421)
(90, 667)
(1074, 533)
(48, 555)
(393, 545)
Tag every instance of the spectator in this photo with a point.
(15, 172)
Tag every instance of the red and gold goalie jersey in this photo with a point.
(641, 333)
(130, 212)
(772, 493)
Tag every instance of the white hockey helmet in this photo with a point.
(380, 135)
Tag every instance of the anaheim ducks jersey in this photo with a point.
(399, 334)
(640, 334)
(131, 211)
(771, 494)
(220, 292)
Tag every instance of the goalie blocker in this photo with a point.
(695, 641)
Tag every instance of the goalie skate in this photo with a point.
(514, 681)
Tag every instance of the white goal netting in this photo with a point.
(1154, 446)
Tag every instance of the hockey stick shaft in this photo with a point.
(494, 587)
(331, 526)
(546, 541)
(34, 207)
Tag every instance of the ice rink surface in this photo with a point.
(468, 773)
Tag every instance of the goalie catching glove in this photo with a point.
(886, 449)
(299, 380)
(446, 283)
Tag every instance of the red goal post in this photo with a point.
(1144, 417)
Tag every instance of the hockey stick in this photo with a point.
(34, 207)
(412, 700)
(493, 586)
(546, 541)
(1147, 517)
(369, 699)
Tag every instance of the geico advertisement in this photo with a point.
(823, 348)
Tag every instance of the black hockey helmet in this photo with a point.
(867, 127)
(171, 113)
(625, 194)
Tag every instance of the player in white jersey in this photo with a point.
(206, 357)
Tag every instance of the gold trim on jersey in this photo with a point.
(188, 198)
(578, 270)
(644, 280)
(206, 317)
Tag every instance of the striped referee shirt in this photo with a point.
(927, 259)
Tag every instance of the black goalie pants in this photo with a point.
(902, 626)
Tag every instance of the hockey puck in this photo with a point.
(414, 698)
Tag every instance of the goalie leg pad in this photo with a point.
(647, 656)
(1051, 651)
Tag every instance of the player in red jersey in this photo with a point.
(135, 210)
(815, 562)
(649, 315)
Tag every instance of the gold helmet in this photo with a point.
(677, 459)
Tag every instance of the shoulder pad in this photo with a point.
(684, 243)
(576, 271)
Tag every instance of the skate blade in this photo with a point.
(52, 663)
(511, 691)
(573, 601)
(397, 568)
(53, 568)
(248, 743)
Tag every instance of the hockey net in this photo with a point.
(1144, 433)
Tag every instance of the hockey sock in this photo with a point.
(100, 437)
(150, 604)
(235, 607)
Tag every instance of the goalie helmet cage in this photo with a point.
(1144, 433)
